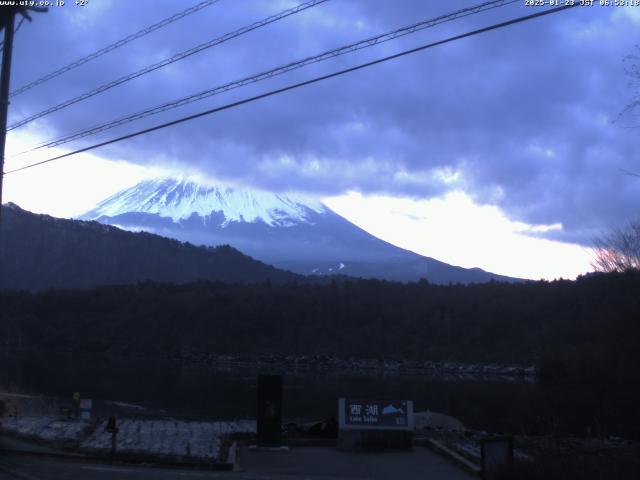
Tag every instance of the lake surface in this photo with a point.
(156, 389)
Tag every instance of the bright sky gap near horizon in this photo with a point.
(499, 151)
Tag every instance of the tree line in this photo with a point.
(582, 335)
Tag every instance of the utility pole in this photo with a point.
(7, 20)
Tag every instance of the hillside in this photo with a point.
(39, 252)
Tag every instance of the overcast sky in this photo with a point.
(515, 127)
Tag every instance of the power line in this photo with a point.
(369, 42)
(113, 46)
(301, 84)
(627, 172)
(168, 61)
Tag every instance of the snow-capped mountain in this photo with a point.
(287, 230)
(180, 199)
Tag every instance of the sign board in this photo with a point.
(368, 414)
(86, 404)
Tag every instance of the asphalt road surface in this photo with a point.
(21, 467)
(300, 463)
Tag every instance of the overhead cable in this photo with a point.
(113, 46)
(369, 42)
(300, 84)
(169, 61)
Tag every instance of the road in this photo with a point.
(300, 463)
(21, 467)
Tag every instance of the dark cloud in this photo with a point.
(523, 116)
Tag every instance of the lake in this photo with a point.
(144, 388)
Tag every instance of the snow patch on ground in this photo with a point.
(128, 405)
(44, 428)
(194, 440)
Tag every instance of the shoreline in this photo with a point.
(318, 364)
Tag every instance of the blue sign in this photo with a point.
(375, 414)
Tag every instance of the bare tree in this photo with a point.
(618, 250)
(632, 70)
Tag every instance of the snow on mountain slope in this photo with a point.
(289, 231)
(179, 199)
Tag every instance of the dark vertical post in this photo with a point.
(75, 404)
(496, 457)
(4, 90)
(270, 410)
(113, 429)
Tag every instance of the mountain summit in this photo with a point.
(180, 199)
(287, 230)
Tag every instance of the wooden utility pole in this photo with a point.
(7, 21)
(8, 18)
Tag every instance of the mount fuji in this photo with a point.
(290, 231)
